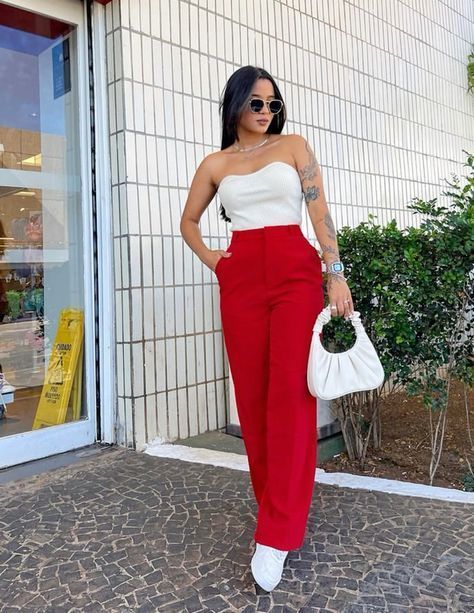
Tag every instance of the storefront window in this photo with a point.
(41, 248)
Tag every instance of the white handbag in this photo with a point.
(331, 375)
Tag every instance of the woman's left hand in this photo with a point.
(339, 296)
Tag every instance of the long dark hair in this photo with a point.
(236, 93)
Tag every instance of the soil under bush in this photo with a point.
(405, 451)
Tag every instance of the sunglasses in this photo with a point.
(274, 106)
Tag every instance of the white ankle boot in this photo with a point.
(267, 566)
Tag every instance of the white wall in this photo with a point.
(379, 90)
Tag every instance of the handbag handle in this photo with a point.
(325, 316)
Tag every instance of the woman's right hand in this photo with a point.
(217, 254)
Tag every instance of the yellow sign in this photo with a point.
(64, 372)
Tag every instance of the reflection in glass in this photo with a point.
(41, 271)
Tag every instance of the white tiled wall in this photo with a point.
(378, 87)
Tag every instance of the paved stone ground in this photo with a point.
(126, 531)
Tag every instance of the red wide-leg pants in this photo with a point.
(271, 292)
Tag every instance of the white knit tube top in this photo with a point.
(270, 196)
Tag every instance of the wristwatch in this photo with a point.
(335, 267)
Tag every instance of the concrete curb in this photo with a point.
(239, 461)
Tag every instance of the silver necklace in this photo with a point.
(250, 148)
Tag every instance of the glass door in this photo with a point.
(46, 307)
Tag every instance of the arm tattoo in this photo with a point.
(309, 171)
(330, 249)
(334, 279)
(330, 226)
(312, 193)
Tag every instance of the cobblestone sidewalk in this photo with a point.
(125, 531)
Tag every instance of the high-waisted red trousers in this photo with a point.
(271, 292)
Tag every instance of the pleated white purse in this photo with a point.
(331, 375)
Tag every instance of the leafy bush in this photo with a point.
(414, 290)
(468, 482)
(470, 71)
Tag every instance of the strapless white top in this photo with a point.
(270, 196)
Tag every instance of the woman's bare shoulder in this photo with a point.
(298, 146)
(294, 140)
(214, 164)
(287, 142)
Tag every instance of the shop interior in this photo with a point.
(40, 206)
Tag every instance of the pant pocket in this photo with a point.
(219, 262)
(217, 268)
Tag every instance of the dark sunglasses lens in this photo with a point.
(275, 106)
(256, 105)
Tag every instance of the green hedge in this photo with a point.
(412, 286)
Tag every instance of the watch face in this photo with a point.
(336, 267)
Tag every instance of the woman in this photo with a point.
(271, 291)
